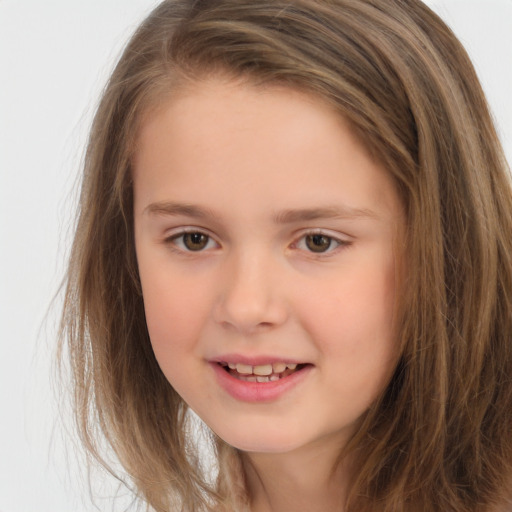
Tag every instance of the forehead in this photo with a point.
(271, 141)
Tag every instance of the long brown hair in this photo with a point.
(440, 436)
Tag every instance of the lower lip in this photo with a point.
(258, 391)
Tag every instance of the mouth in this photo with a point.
(271, 372)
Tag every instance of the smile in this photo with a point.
(270, 372)
(262, 382)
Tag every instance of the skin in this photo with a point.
(252, 159)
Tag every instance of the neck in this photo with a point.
(309, 479)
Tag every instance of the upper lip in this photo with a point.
(254, 360)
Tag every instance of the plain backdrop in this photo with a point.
(55, 56)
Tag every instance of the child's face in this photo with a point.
(265, 235)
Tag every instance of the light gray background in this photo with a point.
(54, 59)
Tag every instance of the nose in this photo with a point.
(251, 296)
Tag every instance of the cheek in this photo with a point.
(352, 317)
(175, 308)
(354, 334)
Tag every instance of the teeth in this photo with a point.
(262, 379)
(244, 369)
(264, 369)
(279, 367)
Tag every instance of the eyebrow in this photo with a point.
(288, 216)
(172, 208)
(330, 212)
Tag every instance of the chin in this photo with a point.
(260, 442)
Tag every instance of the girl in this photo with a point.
(296, 221)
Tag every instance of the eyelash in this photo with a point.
(180, 247)
(334, 244)
(172, 240)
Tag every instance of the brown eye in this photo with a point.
(318, 243)
(195, 241)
